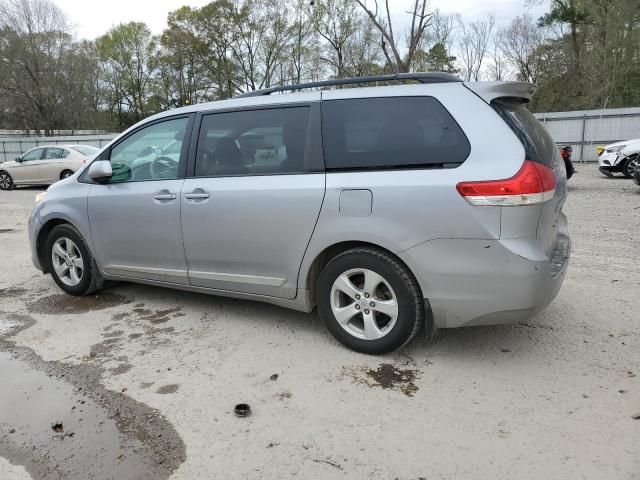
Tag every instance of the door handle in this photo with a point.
(165, 196)
(196, 196)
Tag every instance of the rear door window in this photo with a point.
(55, 153)
(391, 132)
(538, 144)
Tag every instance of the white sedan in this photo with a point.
(620, 157)
(44, 165)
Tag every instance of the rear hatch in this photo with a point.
(540, 148)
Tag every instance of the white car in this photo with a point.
(620, 157)
(44, 165)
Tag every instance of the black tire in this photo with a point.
(90, 280)
(6, 182)
(629, 166)
(66, 174)
(411, 309)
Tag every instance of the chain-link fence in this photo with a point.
(12, 147)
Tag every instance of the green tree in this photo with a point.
(182, 75)
(128, 55)
(436, 59)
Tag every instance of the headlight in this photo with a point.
(617, 148)
(40, 196)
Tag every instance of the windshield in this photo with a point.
(86, 149)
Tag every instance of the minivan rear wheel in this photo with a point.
(70, 262)
(369, 301)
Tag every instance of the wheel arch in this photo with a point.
(63, 171)
(332, 251)
(42, 240)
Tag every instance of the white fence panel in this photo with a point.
(14, 146)
(585, 130)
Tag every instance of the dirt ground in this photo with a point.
(554, 397)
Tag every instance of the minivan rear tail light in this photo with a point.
(533, 184)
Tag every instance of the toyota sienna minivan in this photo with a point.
(435, 203)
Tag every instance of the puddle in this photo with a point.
(61, 432)
(165, 389)
(58, 421)
(386, 376)
(12, 292)
(157, 316)
(61, 303)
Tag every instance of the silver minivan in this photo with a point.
(435, 203)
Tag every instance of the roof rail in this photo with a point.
(422, 77)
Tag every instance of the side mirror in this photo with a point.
(100, 170)
(18, 159)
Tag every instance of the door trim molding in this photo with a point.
(235, 278)
(128, 270)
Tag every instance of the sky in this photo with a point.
(91, 19)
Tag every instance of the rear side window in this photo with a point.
(538, 144)
(391, 132)
(56, 153)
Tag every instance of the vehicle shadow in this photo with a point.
(519, 339)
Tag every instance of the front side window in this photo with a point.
(55, 153)
(256, 142)
(391, 132)
(151, 153)
(35, 154)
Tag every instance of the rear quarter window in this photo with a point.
(538, 144)
(391, 132)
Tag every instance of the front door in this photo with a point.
(250, 209)
(28, 169)
(135, 217)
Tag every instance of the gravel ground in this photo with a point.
(553, 397)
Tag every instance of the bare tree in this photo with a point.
(473, 41)
(393, 51)
(440, 32)
(35, 45)
(303, 44)
(336, 21)
(498, 67)
(519, 45)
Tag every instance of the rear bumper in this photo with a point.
(486, 282)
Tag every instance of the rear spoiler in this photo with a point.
(489, 91)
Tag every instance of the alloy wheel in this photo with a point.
(67, 261)
(631, 166)
(5, 181)
(364, 304)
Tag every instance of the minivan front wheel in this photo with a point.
(70, 262)
(369, 301)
